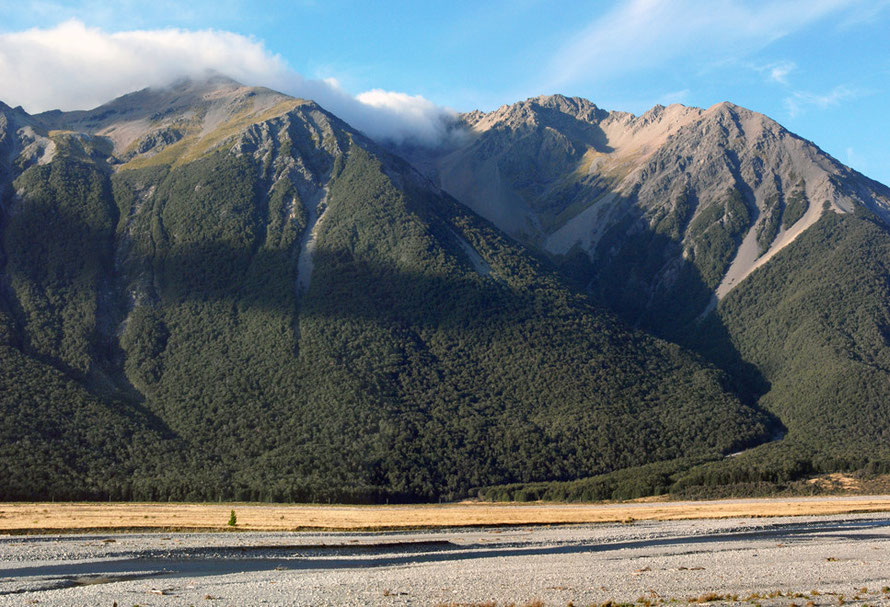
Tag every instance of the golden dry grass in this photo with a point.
(31, 517)
(837, 482)
(197, 144)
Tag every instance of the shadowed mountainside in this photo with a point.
(153, 307)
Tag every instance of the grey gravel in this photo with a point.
(582, 564)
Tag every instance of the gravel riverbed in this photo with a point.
(826, 560)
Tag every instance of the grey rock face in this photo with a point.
(723, 189)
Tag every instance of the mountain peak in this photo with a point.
(563, 103)
(729, 106)
(187, 109)
(210, 80)
(185, 94)
(536, 111)
(557, 171)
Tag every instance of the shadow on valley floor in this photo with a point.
(187, 562)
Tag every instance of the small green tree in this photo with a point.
(232, 519)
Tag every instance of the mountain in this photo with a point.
(212, 291)
(716, 229)
(679, 198)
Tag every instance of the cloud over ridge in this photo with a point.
(72, 66)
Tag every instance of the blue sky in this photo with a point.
(819, 67)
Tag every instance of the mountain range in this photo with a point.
(212, 291)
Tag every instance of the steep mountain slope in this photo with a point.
(717, 229)
(657, 212)
(215, 291)
(815, 321)
(64, 433)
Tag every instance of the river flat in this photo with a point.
(824, 560)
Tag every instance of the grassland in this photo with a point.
(198, 143)
(47, 517)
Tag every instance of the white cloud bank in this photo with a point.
(72, 66)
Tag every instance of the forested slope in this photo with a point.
(814, 322)
(281, 310)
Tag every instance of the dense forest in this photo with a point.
(157, 344)
(815, 323)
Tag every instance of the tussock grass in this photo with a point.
(196, 144)
(35, 517)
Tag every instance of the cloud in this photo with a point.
(674, 97)
(866, 11)
(72, 66)
(408, 114)
(778, 72)
(643, 34)
(799, 101)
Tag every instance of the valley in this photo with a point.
(773, 561)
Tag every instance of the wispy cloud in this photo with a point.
(640, 34)
(800, 101)
(775, 72)
(674, 97)
(72, 66)
(865, 11)
(778, 72)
